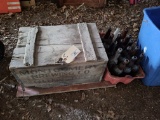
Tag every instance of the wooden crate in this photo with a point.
(50, 43)
(91, 3)
(27, 3)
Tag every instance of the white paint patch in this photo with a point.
(145, 49)
(14, 7)
(13, 3)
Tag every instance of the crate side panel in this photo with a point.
(62, 75)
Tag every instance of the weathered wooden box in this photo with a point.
(50, 43)
(91, 3)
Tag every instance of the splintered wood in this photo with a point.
(42, 46)
(30, 47)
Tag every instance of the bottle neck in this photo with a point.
(127, 39)
(123, 64)
(117, 54)
(106, 36)
(132, 61)
(140, 58)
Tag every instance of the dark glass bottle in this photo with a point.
(127, 71)
(135, 70)
(121, 58)
(118, 38)
(140, 58)
(134, 50)
(130, 42)
(118, 69)
(126, 40)
(108, 40)
(126, 52)
(116, 32)
(120, 44)
(112, 49)
(124, 33)
(132, 61)
(106, 36)
(106, 46)
(114, 60)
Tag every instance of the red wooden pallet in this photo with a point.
(33, 91)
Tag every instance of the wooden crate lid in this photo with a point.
(53, 41)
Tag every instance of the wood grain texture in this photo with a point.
(53, 47)
(57, 75)
(30, 47)
(51, 43)
(87, 46)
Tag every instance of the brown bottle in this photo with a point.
(114, 60)
(134, 50)
(112, 49)
(130, 42)
(140, 58)
(135, 69)
(127, 71)
(117, 54)
(124, 33)
(132, 61)
(126, 40)
(108, 40)
(118, 69)
(118, 38)
(106, 36)
(126, 52)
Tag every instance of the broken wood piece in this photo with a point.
(30, 47)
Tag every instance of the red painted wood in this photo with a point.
(10, 6)
(34, 91)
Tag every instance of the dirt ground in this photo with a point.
(125, 102)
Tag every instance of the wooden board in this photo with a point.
(91, 3)
(30, 47)
(33, 91)
(87, 46)
(61, 74)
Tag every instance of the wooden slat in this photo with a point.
(30, 47)
(32, 91)
(58, 35)
(52, 53)
(62, 74)
(45, 55)
(94, 33)
(89, 53)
